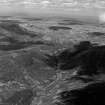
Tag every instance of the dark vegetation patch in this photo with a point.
(9, 39)
(21, 45)
(71, 22)
(56, 28)
(15, 46)
(23, 97)
(5, 17)
(15, 28)
(13, 40)
(96, 34)
(11, 21)
(92, 94)
(33, 19)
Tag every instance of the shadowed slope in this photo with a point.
(93, 94)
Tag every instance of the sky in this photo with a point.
(51, 5)
(67, 7)
(57, 3)
(71, 5)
